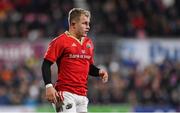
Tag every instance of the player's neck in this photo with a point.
(72, 33)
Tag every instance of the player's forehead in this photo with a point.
(84, 18)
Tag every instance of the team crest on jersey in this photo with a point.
(88, 45)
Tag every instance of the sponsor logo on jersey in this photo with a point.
(69, 106)
(79, 56)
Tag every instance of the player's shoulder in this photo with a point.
(89, 42)
(59, 38)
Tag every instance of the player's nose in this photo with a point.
(88, 27)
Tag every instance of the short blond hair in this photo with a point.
(75, 13)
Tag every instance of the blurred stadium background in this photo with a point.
(137, 41)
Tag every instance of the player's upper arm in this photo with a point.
(55, 49)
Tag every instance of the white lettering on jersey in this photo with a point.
(79, 56)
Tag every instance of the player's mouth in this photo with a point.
(87, 31)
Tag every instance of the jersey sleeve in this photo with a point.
(54, 50)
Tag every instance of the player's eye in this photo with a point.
(86, 23)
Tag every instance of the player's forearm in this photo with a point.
(46, 71)
(93, 70)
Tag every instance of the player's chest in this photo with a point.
(74, 47)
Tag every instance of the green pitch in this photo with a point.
(109, 108)
(93, 108)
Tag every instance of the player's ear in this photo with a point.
(73, 23)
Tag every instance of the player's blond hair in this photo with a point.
(75, 13)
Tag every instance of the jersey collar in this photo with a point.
(69, 35)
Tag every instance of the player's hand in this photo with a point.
(104, 75)
(59, 103)
(52, 95)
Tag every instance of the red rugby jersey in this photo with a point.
(73, 59)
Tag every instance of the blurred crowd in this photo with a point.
(20, 83)
(155, 84)
(33, 18)
(125, 18)
(139, 18)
